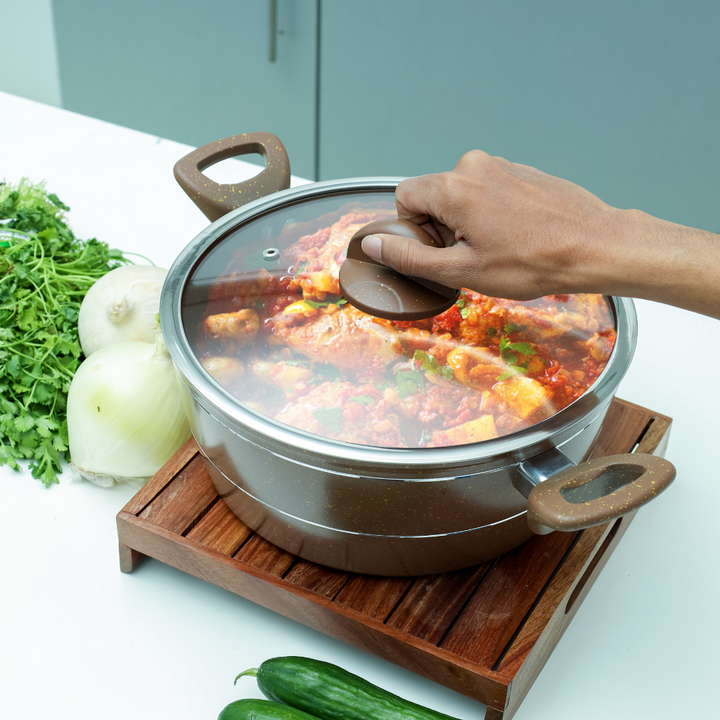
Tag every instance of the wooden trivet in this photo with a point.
(485, 632)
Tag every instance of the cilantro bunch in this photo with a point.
(45, 272)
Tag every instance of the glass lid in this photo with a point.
(263, 313)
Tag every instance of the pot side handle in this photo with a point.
(597, 491)
(215, 199)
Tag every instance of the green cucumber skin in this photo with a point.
(262, 710)
(331, 693)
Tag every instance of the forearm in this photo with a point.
(641, 256)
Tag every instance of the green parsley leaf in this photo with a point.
(329, 417)
(508, 354)
(409, 382)
(431, 364)
(315, 304)
(511, 371)
(327, 372)
(524, 348)
(461, 302)
(508, 350)
(362, 399)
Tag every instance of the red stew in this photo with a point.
(289, 346)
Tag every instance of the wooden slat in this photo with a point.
(197, 491)
(166, 474)
(375, 597)
(262, 555)
(318, 579)
(498, 608)
(623, 425)
(656, 438)
(433, 602)
(552, 598)
(221, 530)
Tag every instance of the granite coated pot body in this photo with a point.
(392, 511)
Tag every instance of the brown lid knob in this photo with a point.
(383, 292)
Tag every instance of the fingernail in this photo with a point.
(372, 246)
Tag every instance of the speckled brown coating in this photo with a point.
(629, 481)
(378, 290)
(214, 199)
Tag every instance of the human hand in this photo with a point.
(509, 230)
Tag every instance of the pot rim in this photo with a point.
(203, 386)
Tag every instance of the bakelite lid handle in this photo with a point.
(597, 491)
(216, 199)
(383, 292)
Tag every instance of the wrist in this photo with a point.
(638, 255)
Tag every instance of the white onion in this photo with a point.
(121, 306)
(125, 413)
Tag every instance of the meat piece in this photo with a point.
(344, 411)
(257, 289)
(318, 257)
(287, 376)
(228, 371)
(578, 316)
(475, 367)
(348, 339)
(483, 319)
(234, 330)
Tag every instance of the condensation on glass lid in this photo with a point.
(277, 334)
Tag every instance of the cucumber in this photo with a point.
(331, 693)
(261, 710)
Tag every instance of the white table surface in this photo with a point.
(79, 639)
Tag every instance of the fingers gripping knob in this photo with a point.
(383, 292)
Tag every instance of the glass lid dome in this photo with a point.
(263, 313)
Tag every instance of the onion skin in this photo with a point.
(125, 412)
(120, 307)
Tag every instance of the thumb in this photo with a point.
(411, 257)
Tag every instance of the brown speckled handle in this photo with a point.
(214, 199)
(597, 491)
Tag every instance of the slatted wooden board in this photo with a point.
(485, 632)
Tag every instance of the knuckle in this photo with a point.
(472, 160)
(449, 187)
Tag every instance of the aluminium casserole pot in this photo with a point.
(380, 446)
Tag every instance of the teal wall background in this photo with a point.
(28, 60)
(622, 97)
(193, 71)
